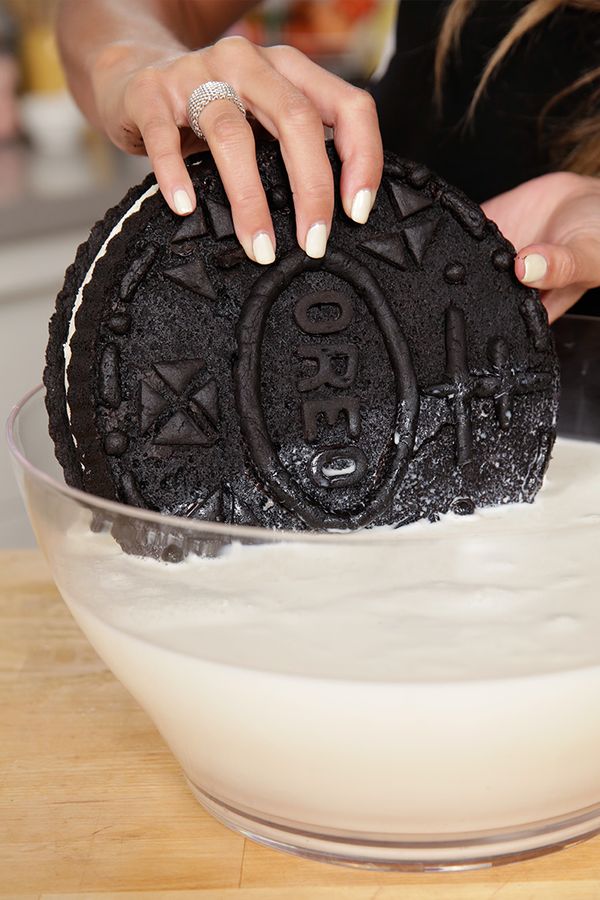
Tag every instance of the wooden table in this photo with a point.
(92, 805)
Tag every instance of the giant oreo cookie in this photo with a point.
(405, 374)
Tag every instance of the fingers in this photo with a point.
(300, 132)
(154, 117)
(231, 142)
(560, 300)
(352, 114)
(289, 115)
(232, 145)
(555, 266)
(563, 272)
(161, 139)
(292, 98)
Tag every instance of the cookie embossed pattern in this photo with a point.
(405, 374)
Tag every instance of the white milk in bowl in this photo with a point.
(364, 696)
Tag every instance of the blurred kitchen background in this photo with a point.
(57, 177)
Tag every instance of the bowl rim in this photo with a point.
(255, 533)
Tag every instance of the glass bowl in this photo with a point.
(316, 698)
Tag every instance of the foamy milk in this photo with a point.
(435, 679)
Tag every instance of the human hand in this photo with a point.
(554, 222)
(141, 97)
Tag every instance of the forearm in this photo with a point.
(99, 36)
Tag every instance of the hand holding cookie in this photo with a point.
(138, 87)
(554, 221)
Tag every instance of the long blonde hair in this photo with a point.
(577, 148)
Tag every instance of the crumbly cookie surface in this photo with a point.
(405, 374)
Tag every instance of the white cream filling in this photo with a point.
(135, 208)
(89, 275)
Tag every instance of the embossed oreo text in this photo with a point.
(334, 365)
(326, 384)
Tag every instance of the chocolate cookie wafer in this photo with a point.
(405, 374)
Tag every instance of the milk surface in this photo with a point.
(432, 680)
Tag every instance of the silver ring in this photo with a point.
(205, 94)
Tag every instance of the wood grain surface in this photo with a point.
(93, 806)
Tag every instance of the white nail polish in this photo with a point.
(316, 240)
(361, 206)
(262, 248)
(536, 267)
(182, 202)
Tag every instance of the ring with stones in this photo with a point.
(205, 94)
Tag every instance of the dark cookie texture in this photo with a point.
(405, 374)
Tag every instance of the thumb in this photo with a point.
(550, 266)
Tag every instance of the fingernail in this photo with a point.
(262, 248)
(316, 240)
(536, 267)
(361, 206)
(182, 202)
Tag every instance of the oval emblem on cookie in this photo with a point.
(317, 434)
